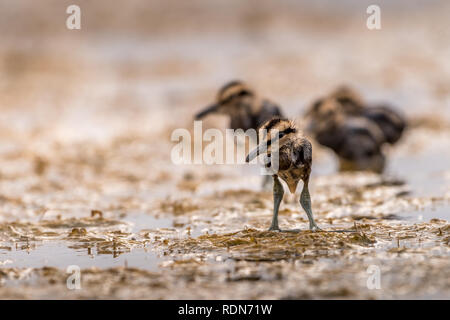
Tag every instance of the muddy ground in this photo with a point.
(85, 172)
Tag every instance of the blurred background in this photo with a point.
(161, 56)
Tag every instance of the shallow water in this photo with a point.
(441, 212)
(59, 255)
(189, 235)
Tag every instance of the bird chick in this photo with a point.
(356, 133)
(245, 109)
(283, 142)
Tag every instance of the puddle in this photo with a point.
(425, 215)
(424, 170)
(62, 253)
(141, 221)
(59, 255)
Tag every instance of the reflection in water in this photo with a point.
(61, 255)
(87, 252)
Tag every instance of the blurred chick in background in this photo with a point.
(245, 109)
(342, 122)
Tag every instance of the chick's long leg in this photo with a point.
(278, 193)
(305, 201)
(267, 181)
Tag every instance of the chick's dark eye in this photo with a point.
(317, 105)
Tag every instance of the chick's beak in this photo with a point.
(209, 109)
(256, 152)
(262, 148)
